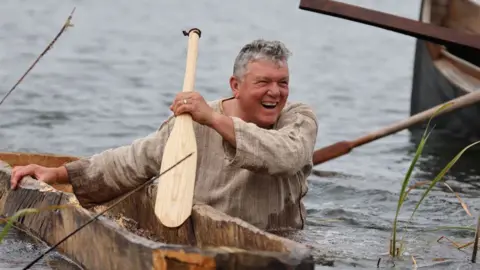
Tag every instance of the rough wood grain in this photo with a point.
(208, 240)
(102, 237)
(205, 227)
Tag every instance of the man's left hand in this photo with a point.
(194, 104)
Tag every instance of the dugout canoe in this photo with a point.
(131, 237)
(442, 73)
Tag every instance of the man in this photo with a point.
(254, 149)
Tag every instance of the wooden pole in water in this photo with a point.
(344, 147)
(173, 204)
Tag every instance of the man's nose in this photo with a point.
(274, 90)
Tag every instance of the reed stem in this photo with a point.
(475, 244)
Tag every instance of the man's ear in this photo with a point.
(234, 85)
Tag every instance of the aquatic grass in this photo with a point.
(441, 175)
(456, 228)
(403, 193)
(27, 211)
(475, 245)
(436, 180)
(393, 250)
(396, 252)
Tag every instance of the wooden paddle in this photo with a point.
(174, 200)
(341, 148)
(428, 32)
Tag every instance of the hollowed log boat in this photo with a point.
(129, 236)
(442, 73)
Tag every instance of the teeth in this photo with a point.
(269, 103)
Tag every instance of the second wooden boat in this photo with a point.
(443, 73)
(131, 237)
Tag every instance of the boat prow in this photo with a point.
(132, 237)
(443, 73)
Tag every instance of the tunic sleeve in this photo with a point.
(113, 172)
(286, 149)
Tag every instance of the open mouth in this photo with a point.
(269, 105)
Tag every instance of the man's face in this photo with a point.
(262, 92)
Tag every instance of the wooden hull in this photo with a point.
(440, 74)
(132, 237)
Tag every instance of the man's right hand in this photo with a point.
(44, 174)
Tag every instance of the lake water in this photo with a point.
(111, 78)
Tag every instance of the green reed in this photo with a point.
(406, 180)
(394, 251)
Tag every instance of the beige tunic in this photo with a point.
(262, 181)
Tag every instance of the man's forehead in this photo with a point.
(257, 69)
(268, 62)
(268, 76)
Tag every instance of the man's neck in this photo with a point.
(232, 108)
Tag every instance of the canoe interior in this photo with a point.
(214, 237)
(460, 66)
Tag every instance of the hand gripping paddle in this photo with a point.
(175, 189)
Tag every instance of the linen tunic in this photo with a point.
(262, 181)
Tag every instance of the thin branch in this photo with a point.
(65, 26)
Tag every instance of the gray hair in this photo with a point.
(259, 49)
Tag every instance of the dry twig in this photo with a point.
(457, 245)
(464, 205)
(65, 26)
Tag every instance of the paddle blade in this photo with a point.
(175, 189)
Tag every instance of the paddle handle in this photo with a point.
(192, 53)
(332, 151)
(341, 148)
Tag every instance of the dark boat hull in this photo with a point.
(431, 87)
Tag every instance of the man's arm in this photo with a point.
(114, 172)
(225, 127)
(286, 149)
